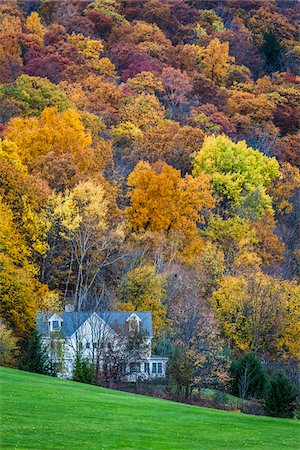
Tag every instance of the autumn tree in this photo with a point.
(168, 142)
(19, 288)
(145, 82)
(233, 236)
(177, 86)
(216, 60)
(34, 26)
(82, 219)
(194, 326)
(11, 62)
(162, 200)
(9, 349)
(259, 313)
(142, 289)
(51, 66)
(53, 132)
(97, 96)
(143, 111)
(252, 112)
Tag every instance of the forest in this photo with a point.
(149, 161)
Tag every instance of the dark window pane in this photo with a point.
(55, 325)
(134, 367)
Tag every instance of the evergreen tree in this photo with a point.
(273, 52)
(248, 376)
(280, 397)
(83, 370)
(35, 358)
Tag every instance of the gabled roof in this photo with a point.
(73, 320)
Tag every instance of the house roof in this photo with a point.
(73, 320)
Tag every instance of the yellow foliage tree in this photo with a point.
(51, 132)
(216, 60)
(145, 82)
(259, 313)
(143, 111)
(35, 27)
(81, 215)
(19, 288)
(9, 152)
(142, 289)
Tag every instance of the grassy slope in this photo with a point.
(40, 412)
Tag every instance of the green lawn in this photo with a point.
(40, 412)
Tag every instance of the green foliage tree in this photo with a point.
(35, 358)
(34, 94)
(181, 372)
(280, 397)
(240, 175)
(248, 377)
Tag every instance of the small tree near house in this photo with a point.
(181, 371)
(35, 358)
(113, 358)
(84, 370)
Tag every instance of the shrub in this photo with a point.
(280, 397)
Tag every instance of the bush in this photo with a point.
(249, 377)
(280, 397)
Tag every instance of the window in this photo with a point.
(109, 346)
(55, 325)
(88, 345)
(147, 368)
(134, 367)
(133, 324)
(95, 345)
(154, 368)
(159, 367)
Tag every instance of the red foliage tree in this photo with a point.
(49, 66)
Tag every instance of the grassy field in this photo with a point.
(40, 412)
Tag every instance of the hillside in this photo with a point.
(42, 412)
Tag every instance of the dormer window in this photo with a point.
(55, 323)
(133, 323)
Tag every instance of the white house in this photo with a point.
(104, 338)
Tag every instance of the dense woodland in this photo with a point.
(148, 161)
